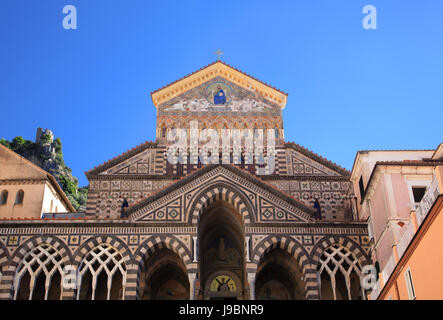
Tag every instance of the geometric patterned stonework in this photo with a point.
(145, 232)
(170, 206)
(190, 196)
(295, 240)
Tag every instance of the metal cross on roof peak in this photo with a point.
(218, 53)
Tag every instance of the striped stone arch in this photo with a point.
(295, 249)
(4, 256)
(344, 241)
(225, 192)
(114, 242)
(21, 252)
(153, 244)
(326, 242)
(4, 259)
(93, 242)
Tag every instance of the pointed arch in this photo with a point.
(39, 258)
(346, 242)
(94, 242)
(149, 247)
(35, 241)
(102, 273)
(337, 253)
(103, 250)
(294, 248)
(225, 192)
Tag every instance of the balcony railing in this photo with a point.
(427, 201)
(389, 268)
(405, 239)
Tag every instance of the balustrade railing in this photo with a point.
(427, 201)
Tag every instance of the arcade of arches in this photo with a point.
(222, 270)
(153, 229)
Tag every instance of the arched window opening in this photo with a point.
(102, 274)
(4, 197)
(39, 275)
(19, 197)
(164, 277)
(339, 274)
(279, 277)
(221, 252)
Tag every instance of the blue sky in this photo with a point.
(349, 88)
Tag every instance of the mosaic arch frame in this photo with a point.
(354, 251)
(92, 243)
(149, 247)
(29, 246)
(225, 192)
(295, 249)
(345, 241)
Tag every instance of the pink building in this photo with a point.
(392, 188)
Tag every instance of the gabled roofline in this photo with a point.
(310, 154)
(157, 98)
(120, 158)
(49, 176)
(191, 176)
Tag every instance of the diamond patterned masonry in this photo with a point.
(154, 230)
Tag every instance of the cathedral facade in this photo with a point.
(159, 229)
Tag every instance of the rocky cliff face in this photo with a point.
(47, 153)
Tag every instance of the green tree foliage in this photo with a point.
(45, 138)
(6, 143)
(57, 145)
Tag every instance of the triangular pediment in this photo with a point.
(232, 99)
(139, 160)
(15, 167)
(226, 74)
(177, 202)
(302, 161)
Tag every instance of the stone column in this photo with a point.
(251, 281)
(192, 279)
(194, 240)
(129, 284)
(248, 259)
(312, 282)
(69, 282)
(7, 283)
